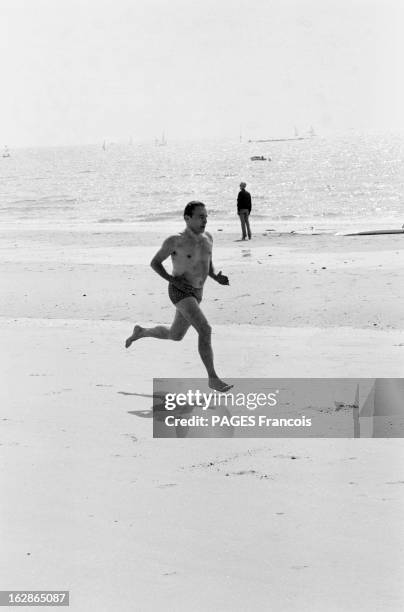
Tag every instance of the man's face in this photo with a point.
(198, 221)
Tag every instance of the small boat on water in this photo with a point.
(6, 152)
(278, 139)
(260, 158)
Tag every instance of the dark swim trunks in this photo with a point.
(176, 295)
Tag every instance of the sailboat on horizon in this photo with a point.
(162, 142)
(6, 152)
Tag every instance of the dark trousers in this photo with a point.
(245, 223)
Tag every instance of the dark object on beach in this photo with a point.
(377, 232)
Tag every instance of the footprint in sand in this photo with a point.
(249, 473)
(165, 486)
(285, 457)
(130, 436)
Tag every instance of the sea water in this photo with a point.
(322, 183)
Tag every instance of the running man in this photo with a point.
(191, 256)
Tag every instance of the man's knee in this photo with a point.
(176, 335)
(205, 330)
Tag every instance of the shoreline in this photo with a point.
(332, 225)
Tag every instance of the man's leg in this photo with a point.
(190, 310)
(176, 332)
(243, 228)
(247, 222)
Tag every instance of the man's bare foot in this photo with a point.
(136, 334)
(219, 385)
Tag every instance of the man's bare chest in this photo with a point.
(192, 252)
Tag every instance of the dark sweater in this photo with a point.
(243, 201)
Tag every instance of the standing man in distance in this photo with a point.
(244, 210)
(191, 256)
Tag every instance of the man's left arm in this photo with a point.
(220, 278)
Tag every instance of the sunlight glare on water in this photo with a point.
(313, 180)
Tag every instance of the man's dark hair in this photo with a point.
(190, 207)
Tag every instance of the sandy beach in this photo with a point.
(117, 120)
(92, 503)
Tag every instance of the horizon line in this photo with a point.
(236, 138)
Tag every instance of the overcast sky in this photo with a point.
(83, 71)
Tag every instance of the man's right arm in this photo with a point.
(162, 254)
(167, 248)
